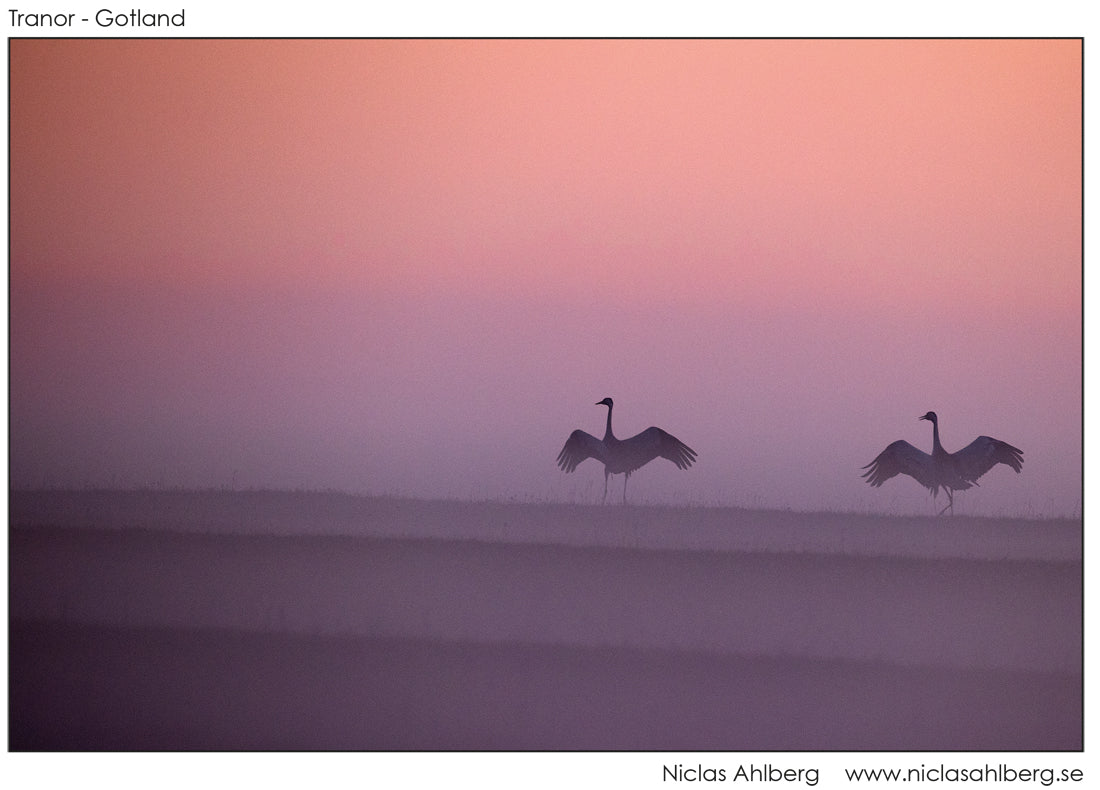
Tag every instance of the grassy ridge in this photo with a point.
(692, 528)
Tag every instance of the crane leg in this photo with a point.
(950, 503)
(606, 475)
(625, 479)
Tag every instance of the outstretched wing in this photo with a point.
(901, 458)
(656, 443)
(982, 454)
(580, 446)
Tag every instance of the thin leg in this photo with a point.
(625, 479)
(606, 475)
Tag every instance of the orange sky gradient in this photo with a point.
(414, 266)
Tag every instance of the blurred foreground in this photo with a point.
(273, 620)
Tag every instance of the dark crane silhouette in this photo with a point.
(623, 456)
(950, 471)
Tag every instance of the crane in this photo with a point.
(623, 456)
(950, 471)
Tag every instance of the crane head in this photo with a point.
(606, 402)
(930, 416)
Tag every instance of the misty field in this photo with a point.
(286, 620)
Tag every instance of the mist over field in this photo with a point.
(213, 620)
(412, 267)
(298, 329)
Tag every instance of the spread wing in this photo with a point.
(580, 446)
(982, 454)
(901, 458)
(656, 443)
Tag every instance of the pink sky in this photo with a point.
(414, 266)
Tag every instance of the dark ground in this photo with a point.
(98, 688)
(276, 620)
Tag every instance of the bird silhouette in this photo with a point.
(623, 456)
(950, 471)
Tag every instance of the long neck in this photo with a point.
(937, 448)
(608, 434)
